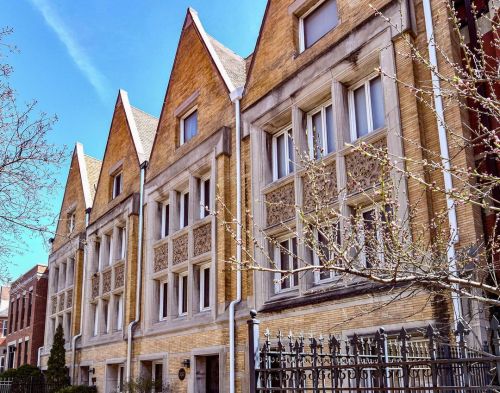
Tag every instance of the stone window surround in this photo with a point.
(182, 118)
(283, 131)
(166, 190)
(378, 51)
(111, 229)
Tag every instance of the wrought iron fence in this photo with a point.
(425, 363)
(28, 385)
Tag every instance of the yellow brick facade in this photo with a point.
(281, 86)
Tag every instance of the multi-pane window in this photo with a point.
(283, 154)
(321, 137)
(165, 219)
(118, 312)
(183, 294)
(204, 197)
(204, 287)
(372, 231)
(163, 310)
(325, 239)
(189, 126)
(317, 22)
(184, 209)
(95, 320)
(366, 104)
(117, 185)
(71, 222)
(4, 328)
(285, 256)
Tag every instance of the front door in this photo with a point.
(212, 374)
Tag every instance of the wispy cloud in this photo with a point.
(75, 51)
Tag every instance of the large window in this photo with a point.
(317, 22)
(184, 209)
(165, 219)
(163, 310)
(321, 137)
(204, 197)
(117, 185)
(283, 153)
(183, 294)
(366, 107)
(204, 287)
(189, 126)
(285, 256)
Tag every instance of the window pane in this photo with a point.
(206, 191)
(329, 129)
(190, 126)
(370, 237)
(295, 262)
(186, 209)
(285, 282)
(164, 300)
(184, 294)
(280, 156)
(166, 219)
(206, 288)
(291, 152)
(319, 22)
(377, 100)
(360, 111)
(317, 126)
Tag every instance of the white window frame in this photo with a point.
(162, 295)
(107, 321)
(109, 248)
(5, 328)
(164, 224)
(286, 152)
(204, 269)
(123, 242)
(316, 261)
(352, 107)
(277, 258)
(114, 194)
(380, 248)
(310, 134)
(302, 37)
(182, 207)
(71, 222)
(203, 198)
(184, 117)
(180, 294)
(119, 313)
(95, 327)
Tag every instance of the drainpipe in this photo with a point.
(139, 273)
(236, 97)
(445, 157)
(39, 359)
(79, 335)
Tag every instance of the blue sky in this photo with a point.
(75, 55)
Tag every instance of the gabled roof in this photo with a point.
(231, 66)
(89, 172)
(142, 127)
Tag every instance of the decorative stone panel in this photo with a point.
(180, 249)
(363, 172)
(161, 258)
(54, 305)
(202, 238)
(95, 286)
(280, 204)
(119, 276)
(106, 281)
(320, 187)
(69, 298)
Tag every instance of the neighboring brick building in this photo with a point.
(26, 323)
(299, 74)
(4, 319)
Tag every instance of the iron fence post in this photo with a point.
(253, 349)
(496, 343)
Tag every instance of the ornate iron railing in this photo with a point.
(423, 363)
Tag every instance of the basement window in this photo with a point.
(317, 22)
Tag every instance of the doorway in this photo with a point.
(207, 374)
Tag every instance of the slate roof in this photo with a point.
(146, 127)
(93, 170)
(234, 64)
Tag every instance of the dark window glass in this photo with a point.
(377, 102)
(360, 111)
(206, 191)
(318, 143)
(166, 220)
(158, 377)
(370, 237)
(117, 185)
(190, 126)
(290, 152)
(186, 210)
(329, 129)
(26, 351)
(206, 288)
(23, 305)
(319, 22)
(184, 294)
(164, 300)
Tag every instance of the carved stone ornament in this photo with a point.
(180, 249)
(95, 286)
(161, 258)
(320, 187)
(106, 281)
(280, 204)
(202, 238)
(69, 298)
(119, 276)
(54, 304)
(363, 172)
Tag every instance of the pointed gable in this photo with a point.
(128, 146)
(77, 197)
(203, 75)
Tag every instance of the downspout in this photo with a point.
(39, 359)
(445, 158)
(139, 273)
(236, 97)
(84, 277)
